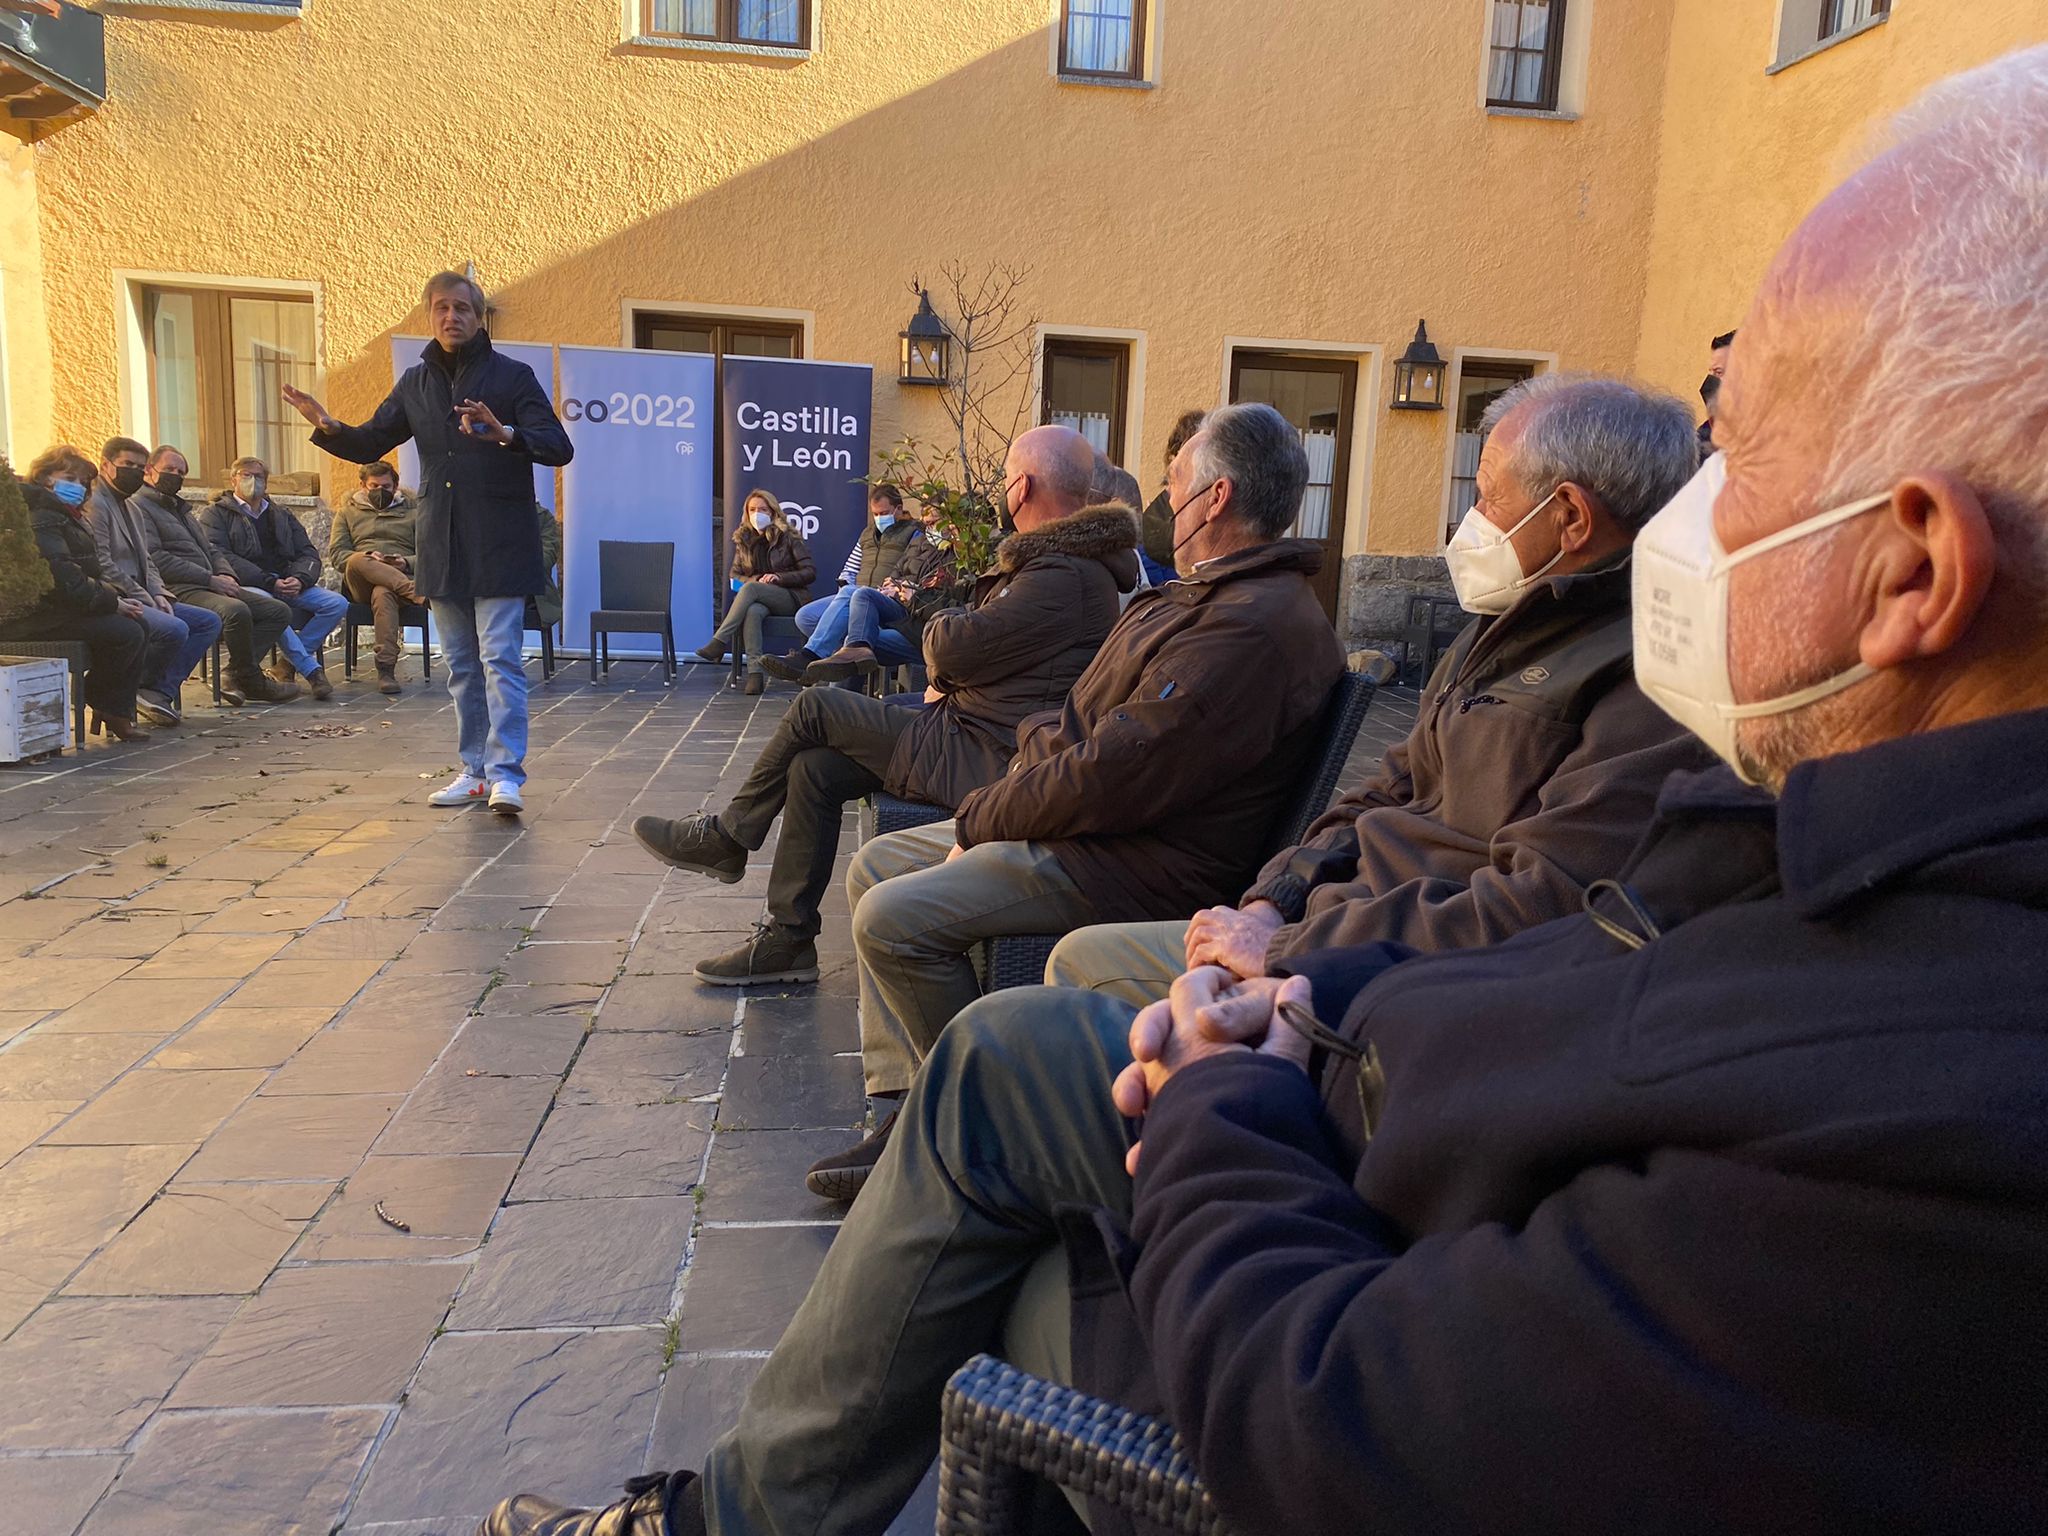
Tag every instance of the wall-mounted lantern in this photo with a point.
(1419, 375)
(927, 346)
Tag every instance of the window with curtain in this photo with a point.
(1103, 37)
(217, 366)
(1481, 381)
(771, 23)
(1527, 52)
(1841, 15)
(1085, 385)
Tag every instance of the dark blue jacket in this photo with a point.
(478, 532)
(1743, 1230)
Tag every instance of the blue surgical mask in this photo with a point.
(70, 492)
(883, 520)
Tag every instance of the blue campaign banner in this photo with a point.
(799, 430)
(641, 423)
(537, 355)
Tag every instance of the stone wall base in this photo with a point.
(1374, 599)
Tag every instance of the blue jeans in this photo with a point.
(858, 616)
(164, 637)
(481, 640)
(315, 613)
(202, 628)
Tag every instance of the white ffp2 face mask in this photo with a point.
(1681, 613)
(761, 520)
(1486, 572)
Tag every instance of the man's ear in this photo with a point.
(1580, 514)
(1225, 493)
(1931, 565)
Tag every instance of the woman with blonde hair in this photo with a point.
(772, 571)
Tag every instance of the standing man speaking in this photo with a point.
(481, 422)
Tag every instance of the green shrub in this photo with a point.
(24, 574)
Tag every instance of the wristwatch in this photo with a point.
(511, 435)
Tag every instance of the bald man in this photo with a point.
(990, 664)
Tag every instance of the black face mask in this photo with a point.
(380, 498)
(170, 485)
(1710, 386)
(126, 480)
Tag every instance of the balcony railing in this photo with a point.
(53, 69)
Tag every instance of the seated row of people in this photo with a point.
(1500, 1178)
(149, 582)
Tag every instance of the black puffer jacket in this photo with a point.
(66, 544)
(788, 559)
(1032, 628)
(178, 544)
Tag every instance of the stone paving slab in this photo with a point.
(415, 1166)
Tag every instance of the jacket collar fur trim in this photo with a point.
(1089, 534)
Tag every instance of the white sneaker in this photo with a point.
(505, 798)
(463, 789)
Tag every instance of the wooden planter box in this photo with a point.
(35, 706)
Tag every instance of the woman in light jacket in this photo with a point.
(772, 572)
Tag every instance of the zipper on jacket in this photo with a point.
(1372, 1077)
(1466, 706)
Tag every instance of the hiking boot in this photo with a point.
(280, 670)
(847, 661)
(317, 681)
(842, 1175)
(754, 684)
(659, 1504)
(771, 954)
(264, 689)
(387, 677)
(712, 650)
(231, 693)
(790, 668)
(696, 843)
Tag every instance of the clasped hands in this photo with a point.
(1208, 1013)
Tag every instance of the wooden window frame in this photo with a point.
(1831, 23)
(729, 29)
(1553, 62)
(213, 367)
(1137, 69)
(1118, 351)
(647, 321)
(1347, 369)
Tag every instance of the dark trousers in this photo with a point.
(833, 746)
(950, 1249)
(249, 623)
(116, 644)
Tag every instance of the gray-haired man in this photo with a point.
(1534, 761)
(1153, 789)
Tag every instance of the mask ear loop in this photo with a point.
(1629, 938)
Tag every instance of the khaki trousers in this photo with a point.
(1134, 963)
(916, 920)
(385, 588)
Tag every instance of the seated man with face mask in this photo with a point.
(1716, 1208)
(1534, 761)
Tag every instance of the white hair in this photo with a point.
(1948, 363)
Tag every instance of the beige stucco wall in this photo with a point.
(1326, 175)
(27, 331)
(1746, 153)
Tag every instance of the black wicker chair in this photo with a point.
(1003, 1430)
(410, 616)
(77, 656)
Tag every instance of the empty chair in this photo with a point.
(634, 580)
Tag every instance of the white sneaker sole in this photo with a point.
(506, 807)
(451, 805)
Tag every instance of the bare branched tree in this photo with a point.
(985, 396)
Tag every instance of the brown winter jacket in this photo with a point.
(1532, 770)
(1032, 627)
(1159, 785)
(788, 559)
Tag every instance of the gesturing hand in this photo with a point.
(477, 418)
(308, 407)
(1236, 940)
(1208, 1013)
